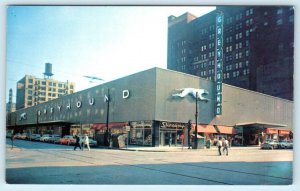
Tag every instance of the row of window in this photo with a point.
(43, 83)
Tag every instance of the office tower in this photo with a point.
(258, 47)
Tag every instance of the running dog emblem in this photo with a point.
(192, 91)
(23, 116)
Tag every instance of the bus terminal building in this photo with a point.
(154, 106)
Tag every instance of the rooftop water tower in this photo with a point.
(48, 71)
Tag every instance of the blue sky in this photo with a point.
(104, 41)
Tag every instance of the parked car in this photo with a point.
(54, 138)
(92, 142)
(285, 144)
(269, 144)
(67, 140)
(45, 138)
(22, 136)
(17, 135)
(34, 137)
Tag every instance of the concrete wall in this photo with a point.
(239, 105)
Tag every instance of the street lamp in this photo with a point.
(189, 133)
(196, 127)
(107, 136)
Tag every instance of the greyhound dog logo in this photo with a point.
(23, 116)
(192, 91)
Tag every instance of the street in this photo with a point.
(43, 163)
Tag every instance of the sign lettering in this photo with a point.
(219, 65)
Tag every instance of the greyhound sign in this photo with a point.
(192, 91)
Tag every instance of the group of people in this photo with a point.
(81, 142)
(223, 143)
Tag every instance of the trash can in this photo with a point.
(200, 143)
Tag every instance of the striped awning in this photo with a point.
(204, 128)
(226, 129)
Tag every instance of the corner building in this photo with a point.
(145, 103)
(258, 47)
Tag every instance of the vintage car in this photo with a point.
(269, 144)
(285, 144)
(54, 139)
(45, 138)
(34, 137)
(67, 140)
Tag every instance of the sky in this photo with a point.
(108, 42)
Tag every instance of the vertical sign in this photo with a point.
(219, 63)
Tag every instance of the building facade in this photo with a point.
(10, 105)
(258, 47)
(156, 104)
(32, 91)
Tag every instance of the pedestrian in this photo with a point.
(170, 140)
(225, 146)
(219, 145)
(77, 142)
(87, 142)
(81, 142)
(12, 138)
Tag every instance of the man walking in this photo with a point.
(219, 145)
(225, 146)
(77, 142)
(87, 142)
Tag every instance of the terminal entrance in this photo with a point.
(170, 138)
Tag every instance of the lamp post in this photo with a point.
(37, 122)
(189, 133)
(196, 126)
(107, 100)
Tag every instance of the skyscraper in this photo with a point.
(258, 47)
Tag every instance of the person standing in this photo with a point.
(219, 145)
(12, 138)
(225, 146)
(77, 142)
(87, 142)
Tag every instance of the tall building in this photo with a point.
(258, 47)
(10, 106)
(33, 91)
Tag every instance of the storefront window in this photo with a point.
(141, 133)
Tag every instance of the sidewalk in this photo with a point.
(180, 149)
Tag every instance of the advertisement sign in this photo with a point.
(219, 63)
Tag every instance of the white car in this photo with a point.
(45, 138)
(284, 144)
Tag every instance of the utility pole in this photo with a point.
(196, 127)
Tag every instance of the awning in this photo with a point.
(226, 129)
(102, 126)
(271, 131)
(261, 123)
(284, 132)
(205, 128)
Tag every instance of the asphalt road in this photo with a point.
(43, 163)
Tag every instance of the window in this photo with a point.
(291, 18)
(50, 83)
(43, 83)
(30, 80)
(279, 22)
(279, 11)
